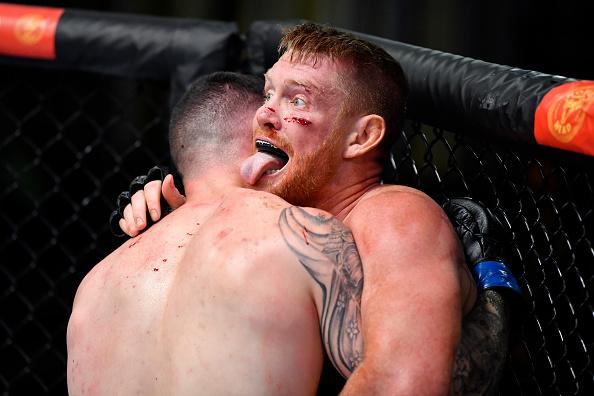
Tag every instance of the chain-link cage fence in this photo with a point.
(547, 198)
(70, 142)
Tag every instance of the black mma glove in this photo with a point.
(138, 183)
(484, 240)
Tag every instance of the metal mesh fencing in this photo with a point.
(547, 200)
(70, 142)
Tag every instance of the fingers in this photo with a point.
(137, 184)
(171, 193)
(124, 227)
(127, 223)
(139, 209)
(144, 195)
(152, 195)
(122, 201)
(114, 224)
(156, 173)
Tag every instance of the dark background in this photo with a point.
(551, 36)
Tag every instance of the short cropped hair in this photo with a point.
(211, 118)
(375, 82)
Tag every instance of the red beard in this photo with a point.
(308, 173)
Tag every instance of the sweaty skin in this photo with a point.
(207, 302)
(417, 286)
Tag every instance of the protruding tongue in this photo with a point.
(254, 166)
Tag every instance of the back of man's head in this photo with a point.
(211, 123)
(374, 82)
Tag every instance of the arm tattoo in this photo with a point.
(483, 347)
(326, 249)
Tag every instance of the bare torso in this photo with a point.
(209, 301)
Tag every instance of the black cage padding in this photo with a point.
(452, 91)
(138, 46)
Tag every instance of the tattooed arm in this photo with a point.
(326, 249)
(483, 346)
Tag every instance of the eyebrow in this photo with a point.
(308, 86)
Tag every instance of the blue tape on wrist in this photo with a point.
(490, 274)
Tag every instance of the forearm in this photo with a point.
(483, 347)
(479, 361)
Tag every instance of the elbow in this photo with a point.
(418, 383)
(412, 381)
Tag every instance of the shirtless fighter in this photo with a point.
(333, 104)
(206, 303)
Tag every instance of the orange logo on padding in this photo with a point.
(564, 118)
(29, 28)
(28, 31)
(566, 115)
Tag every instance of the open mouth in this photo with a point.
(268, 160)
(263, 146)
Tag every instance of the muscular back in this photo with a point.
(215, 299)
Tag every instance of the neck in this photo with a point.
(350, 184)
(211, 185)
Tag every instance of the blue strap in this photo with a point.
(490, 274)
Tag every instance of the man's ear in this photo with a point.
(367, 133)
